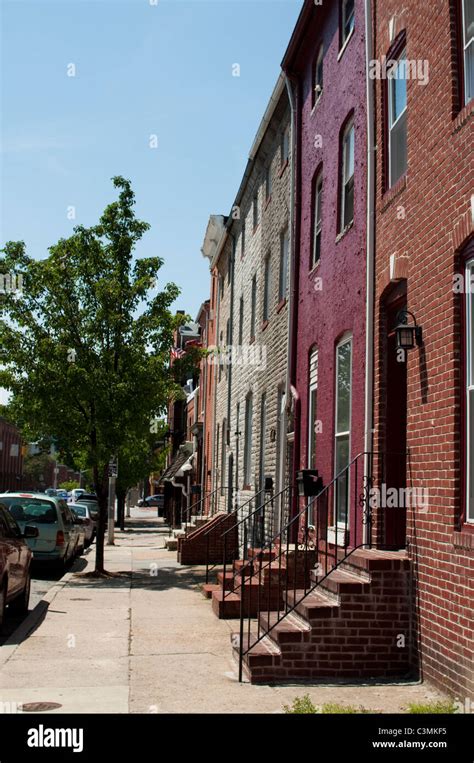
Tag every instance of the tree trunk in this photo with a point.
(121, 496)
(100, 484)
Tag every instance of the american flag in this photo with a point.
(176, 353)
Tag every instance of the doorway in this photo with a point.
(394, 458)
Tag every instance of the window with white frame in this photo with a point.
(347, 20)
(470, 391)
(248, 440)
(318, 76)
(347, 176)
(342, 444)
(266, 288)
(397, 119)
(312, 408)
(317, 219)
(284, 251)
(468, 48)
(253, 311)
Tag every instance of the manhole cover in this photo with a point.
(39, 707)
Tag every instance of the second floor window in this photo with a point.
(253, 313)
(397, 120)
(241, 321)
(255, 210)
(318, 76)
(248, 440)
(242, 239)
(317, 224)
(283, 280)
(268, 182)
(266, 289)
(285, 146)
(468, 48)
(347, 20)
(347, 177)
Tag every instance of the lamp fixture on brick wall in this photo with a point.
(408, 333)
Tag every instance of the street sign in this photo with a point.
(113, 468)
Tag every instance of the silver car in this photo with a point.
(83, 511)
(59, 536)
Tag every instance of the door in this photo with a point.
(394, 470)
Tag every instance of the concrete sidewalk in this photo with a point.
(148, 642)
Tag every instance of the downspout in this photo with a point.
(370, 228)
(205, 382)
(216, 378)
(294, 270)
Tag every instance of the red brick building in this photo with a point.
(423, 397)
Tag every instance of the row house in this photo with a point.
(347, 264)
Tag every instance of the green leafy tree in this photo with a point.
(84, 348)
(69, 485)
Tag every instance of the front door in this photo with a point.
(394, 468)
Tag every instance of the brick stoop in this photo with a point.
(265, 582)
(192, 549)
(348, 627)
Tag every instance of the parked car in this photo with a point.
(15, 561)
(157, 500)
(83, 512)
(74, 494)
(91, 501)
(59, 537)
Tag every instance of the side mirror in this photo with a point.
(31, 531)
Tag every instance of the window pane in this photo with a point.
(266, 289)
(398, 149)
(342, 484)
(349, 203)
(348, 17)
(343, 387)
(349, 154)
(398, 89)
(469, 72)
(313, 396)
(468, 21)
(283, 265)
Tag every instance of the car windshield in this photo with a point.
(31, 510)
(80, 510)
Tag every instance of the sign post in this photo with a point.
(113, 473)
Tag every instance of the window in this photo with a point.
(470, 391)
(242, 239)
(266, 288)
(283, 280)
(317, 225)
(467, 7)
(268, 182)
(285, 146)
(263, 444)
(248, 440)
(253, 314)
(223, 455)
(347, 177)
(241, 321)
(217, 450)
(312, 408)
(318, 76)
(397, 120)
(255, 210)
(347, 20)
(342, 428)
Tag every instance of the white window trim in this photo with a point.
(392, 124)
(469, 383)
(466, 45)
(341, 525)
(349, 127)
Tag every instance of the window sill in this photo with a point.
(247, 487)
(283, 167)
(346, 43)
(265, 324)
(252, 340)
(256, 227)
(392, 193)
(316, 103)
(281, 305)
(463, 116)
(267, 202)
(315, 268)
(341, 235)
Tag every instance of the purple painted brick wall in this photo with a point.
(324, 316)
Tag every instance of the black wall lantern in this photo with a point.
(407, 334)
(309, 483)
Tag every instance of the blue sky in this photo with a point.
(140, 70)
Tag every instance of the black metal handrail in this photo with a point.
(314, 544)
(207, 533)
(246, 522)
(200, 501)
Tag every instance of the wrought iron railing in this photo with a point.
(302, 546)
(187, 514)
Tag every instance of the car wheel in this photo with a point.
(3, 604)
(20, 603)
